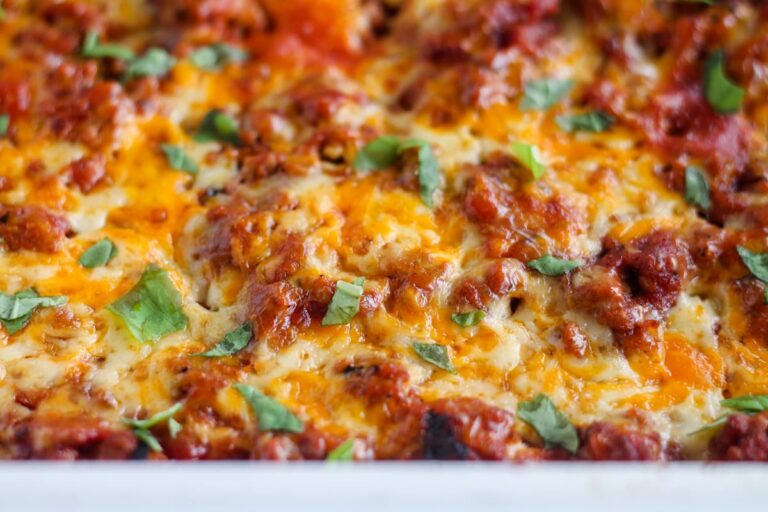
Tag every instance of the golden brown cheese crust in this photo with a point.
(636, 347)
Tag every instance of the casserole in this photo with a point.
(355, 230)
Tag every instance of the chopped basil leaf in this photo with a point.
(141, 427)
(217, 126)
(155, 62)
(747, 404)
(178, 159)
(16, 310)
(215, 56)
(717, 422)
(589, 122)
(542, 94)
(696, 188)
(92, 49)
(2, 13)
(551, 266)
(530, 156)
(174, 427)
(757, 263)
(152, 309)
(723, 95)
(156, 419)
(434, 354)
(384, 151)
(429, 173)
(343, 453)
(378, 154)
(468, 319)
(146, 437)
(750, 404)
(345, 302)
(5, 123)
(233, 342)
(99, 254)
(272, 415)
(552, 425)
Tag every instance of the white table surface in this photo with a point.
(228, 487)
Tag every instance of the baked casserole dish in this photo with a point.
(356, 230)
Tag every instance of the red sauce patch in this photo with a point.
(744, 438)
(32, 228)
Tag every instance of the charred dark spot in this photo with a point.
(140, 453)
(514, 304)
(360, 370)
(440, 442)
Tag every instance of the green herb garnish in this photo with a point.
(272, 415)
(233, 342)
(93, 49)
(697, 188)
(16, 310)
(141, 427)
(552, 266)
(589, 122)
(724, 96)
(385, 151)
(551, 425)
(152, 309)
(5, 123)
(99, 254)
(434, 354)
(345, 303)
(155, 62)
(543, 94)
(178, 159)
(217, 126)
(345, 452)
(757, 263)
(530, 156)
(215, 56)
(468, 319)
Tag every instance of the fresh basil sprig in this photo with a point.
(380, 153)
(551, 424)
(155, 62)
(5, 123)
(469, 318)
(152, 308)
(99, 254)
(272, 415)
(530, 156)
(722, 94)
(552, 266)
(543, 94)
(345, 303)
(155, 419)
(215, 56)
(747, 404)
(385, 151)
(233, 342)
(93, 49)
(16, 310)
(345, 452)
(434, 354)
(178, 158)
(588, 122)
(757, 263)
(696, 188)
(217, 126)
(141, 427)
(429, 172)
